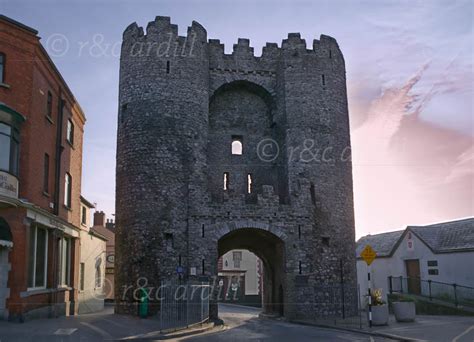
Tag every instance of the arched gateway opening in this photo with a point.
(271, 251)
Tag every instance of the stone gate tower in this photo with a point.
(221, 151)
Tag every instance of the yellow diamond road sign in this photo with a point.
(368, 254)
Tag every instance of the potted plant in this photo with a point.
(404, 310)
(379, 308)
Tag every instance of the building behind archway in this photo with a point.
(221, 151)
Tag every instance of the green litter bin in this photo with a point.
(143, 304)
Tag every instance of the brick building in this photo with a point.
(217, 152)
(41, 132)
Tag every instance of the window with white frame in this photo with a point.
(236, 258)
(38, 257)
(67, 190)
(9, 148)
(64, 251)
(70, 132)
(98, 272)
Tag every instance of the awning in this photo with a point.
(6, 238)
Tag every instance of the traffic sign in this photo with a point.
(180, 269)
(368, 254)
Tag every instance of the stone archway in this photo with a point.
(270, 248)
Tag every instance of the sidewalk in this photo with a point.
(432, 328)
(101, 326)
(425, 328)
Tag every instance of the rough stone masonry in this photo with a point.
(184, 197)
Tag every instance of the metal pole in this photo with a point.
(429, 288)
(342, 291)
(455, 296)
(370, 298)
(161, 305)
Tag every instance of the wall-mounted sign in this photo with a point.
(111, 258)
(8, 185)
(192, 271)
(410, 242)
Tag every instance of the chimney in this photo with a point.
(99, 218)
(110, 224)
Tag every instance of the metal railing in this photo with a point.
(338, 305)
(451, 293)
(182, 305)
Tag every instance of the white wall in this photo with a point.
(91, 299)
(452, 267)
(248, 264)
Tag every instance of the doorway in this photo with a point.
(413, 276)
(269, 248)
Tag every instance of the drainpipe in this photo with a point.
(59, 150)
(57, 184)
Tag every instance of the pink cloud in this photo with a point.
(407, 170)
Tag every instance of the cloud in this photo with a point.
(408, 170)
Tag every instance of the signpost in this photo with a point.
(368, 255)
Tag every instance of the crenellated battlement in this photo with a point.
(162, 39)
(162, 36)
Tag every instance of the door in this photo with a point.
(413, 275)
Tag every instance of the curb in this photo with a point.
(364, 332)
(177, 333)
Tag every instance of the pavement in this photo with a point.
(432, 328)
(240, 324)
(101, 326)
(243, 324)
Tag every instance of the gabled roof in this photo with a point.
(383, 244)
(445, 237)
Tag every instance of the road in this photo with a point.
(243, 324)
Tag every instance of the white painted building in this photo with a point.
(442, 253)
(92, 264)
(241, 274)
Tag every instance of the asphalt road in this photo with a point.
(243, 324)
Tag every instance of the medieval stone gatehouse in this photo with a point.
(221, 151)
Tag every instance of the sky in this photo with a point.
(409, 76)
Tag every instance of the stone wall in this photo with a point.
(178, 114)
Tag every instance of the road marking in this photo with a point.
(103, 333)
(463, 333)
(63, 331)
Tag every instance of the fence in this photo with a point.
(182, 305)
(452, 293)
(337, 305)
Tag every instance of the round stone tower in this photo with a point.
(162, 121)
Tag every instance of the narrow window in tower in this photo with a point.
(249, 183)
(226, 180)
(300, 268)
(237, 145)
(323, 80)
(313, 193)
(203, 266)
(299, 231)
(167, 67)
(330, 54)
(202, 230)
(325, 241)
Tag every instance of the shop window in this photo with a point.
(38, 257)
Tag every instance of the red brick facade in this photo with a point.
(29, 74)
